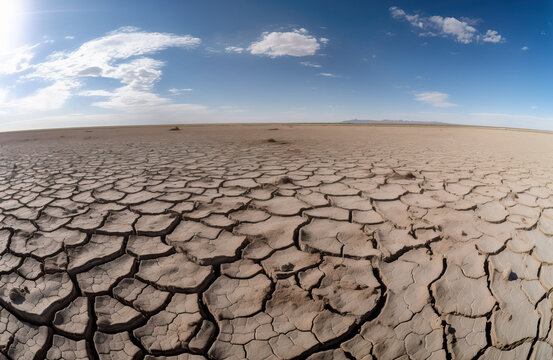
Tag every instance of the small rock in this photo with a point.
(287, 267)
(17, 295)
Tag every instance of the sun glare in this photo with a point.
(11, 24)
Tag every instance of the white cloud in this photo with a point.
(330, 75)
(493, 37)
(211, 50)
(175, 91)
(399, 14)
(293, 43)
(48, 98)
(103, 52)
(69, 37)
(17, 60)
(461, 31)
(234, 49)
(127, 97)
(524, 48)
(103, 57)
(533, 107)
(434, 98)
(310, 64)
(450, 26)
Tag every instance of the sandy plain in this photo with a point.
(276, 241)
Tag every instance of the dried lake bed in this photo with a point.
(276, 242)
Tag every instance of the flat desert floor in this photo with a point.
(277, 241)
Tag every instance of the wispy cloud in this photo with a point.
(293, 43)
(461, 30)
(434, 98)
(175, 91)
(69, 37)
(329, 75)
(310, 64)
(234, 49)
(524, 48)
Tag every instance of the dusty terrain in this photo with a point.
(279, 241)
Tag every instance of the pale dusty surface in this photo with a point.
(276, 242)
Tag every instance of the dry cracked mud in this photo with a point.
(328, 242)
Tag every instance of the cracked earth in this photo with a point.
(276, 242)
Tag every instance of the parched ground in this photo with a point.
(279, 241)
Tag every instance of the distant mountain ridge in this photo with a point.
(394, 122)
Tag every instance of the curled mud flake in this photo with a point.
(112, 316)
(394, 212)
(224, 248)
(115, 346)
(143, 297)
(465, 336)
(284, 263)
(521, 351)
(281, 205)
(153, 225)
(100, 279)
(229, 298)
(146, 247)
(63, 348)
(100, 249)
(74, 320)
(349, 286)
(241, 269)
(492, 211)
(337, 354)
(35, 300)
(174, 273)
(266, 236)
(21, 340)
(328, 213)
(336, 237)
(173, 328)
(516, 319)
(387, 192)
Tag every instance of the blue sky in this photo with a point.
(84, 63)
